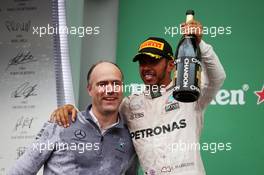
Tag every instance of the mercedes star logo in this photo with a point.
(80, 134)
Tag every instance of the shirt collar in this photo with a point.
(98, 124)
(91, 117)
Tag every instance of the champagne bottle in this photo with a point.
(188, 67)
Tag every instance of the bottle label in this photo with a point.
(188, 74)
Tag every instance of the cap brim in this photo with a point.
(150, 55)
(137, 57)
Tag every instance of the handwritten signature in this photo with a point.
(24, 90)
(21, 58)
(24, 122)
(20, 151)
(14, 26)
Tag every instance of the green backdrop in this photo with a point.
(235, 117)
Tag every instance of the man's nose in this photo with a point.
(145, 66)
(109, 89)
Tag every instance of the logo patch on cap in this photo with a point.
(152, 44)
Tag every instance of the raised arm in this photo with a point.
(213, 74)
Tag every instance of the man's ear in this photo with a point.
(89, 89)
(170, 65)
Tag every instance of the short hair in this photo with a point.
(96, 64)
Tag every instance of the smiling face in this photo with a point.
(155, 71)
(105, 88)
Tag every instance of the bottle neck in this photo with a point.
(189, 18)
